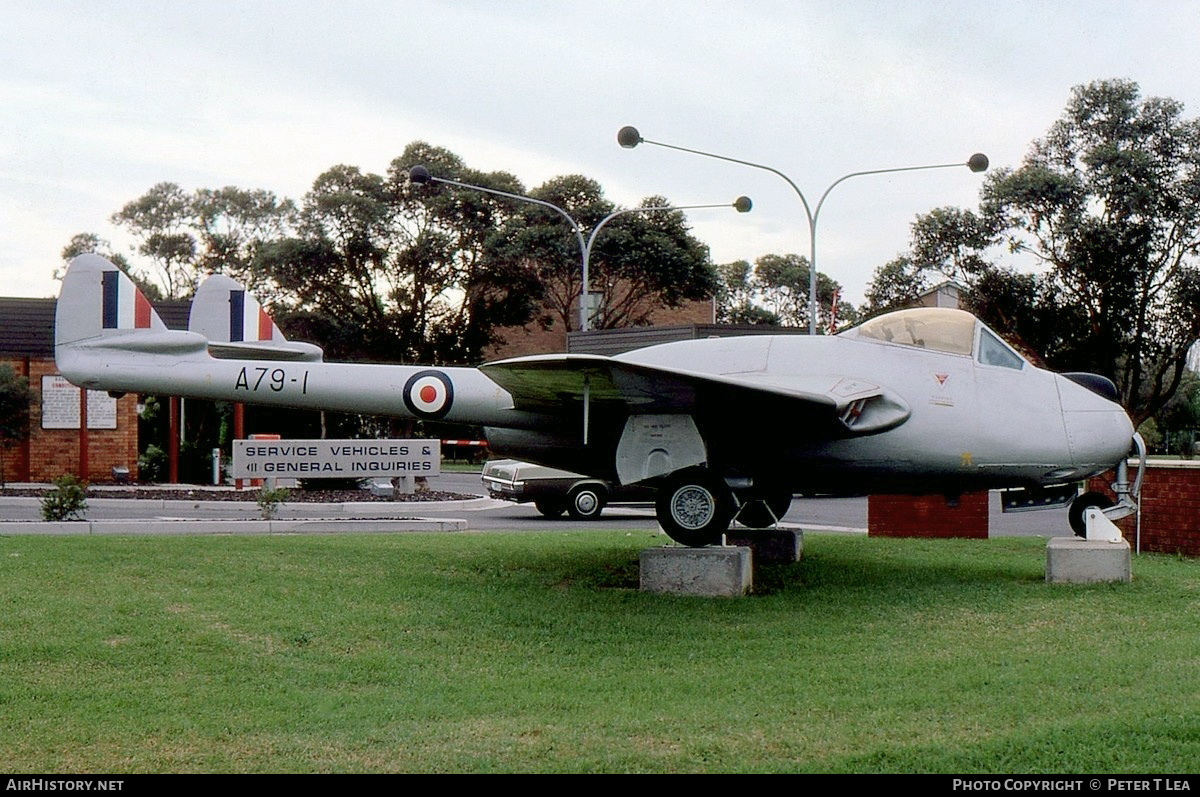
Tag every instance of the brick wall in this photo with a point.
(49, 453)
(1170, 507)
(928, 516)
(533, 339)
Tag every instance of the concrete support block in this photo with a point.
(713, 571)
(770, 546)
(1071, 560)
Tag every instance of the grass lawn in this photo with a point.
(459, 466)
(525, 652)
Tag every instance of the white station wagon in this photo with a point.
(555, 491)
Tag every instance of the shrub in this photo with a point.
(269, 499)
(67, 501)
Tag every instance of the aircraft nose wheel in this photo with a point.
(694, 508)
(1077, 512)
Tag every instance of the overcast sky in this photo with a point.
(101, 100)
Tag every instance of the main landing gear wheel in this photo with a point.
(1077, 515)
(694, 508)
(764, 512)
(585, 502)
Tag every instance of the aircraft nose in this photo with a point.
(1098, 431)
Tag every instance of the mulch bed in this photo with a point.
(294, 496)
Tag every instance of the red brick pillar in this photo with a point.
(83, 436)
(928, 516)
(173, 440)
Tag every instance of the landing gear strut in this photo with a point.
(763, 512)
(1127, 494)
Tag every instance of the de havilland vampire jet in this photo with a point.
(918, 401)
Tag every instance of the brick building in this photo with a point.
(534, 339)
(56, 444)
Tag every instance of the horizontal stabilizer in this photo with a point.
(168, 341)
(281, 350)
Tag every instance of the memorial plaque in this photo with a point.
(60, 406)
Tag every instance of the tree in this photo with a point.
(776, 291)
(90, 242)
(640, 261)
(735, 296)
(895, 284)
(649, 260)
(1179, 419)
(162, 219)
(383, 269)
(15, 398)
(1107, 207)
(233, 224)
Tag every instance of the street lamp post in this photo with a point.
(629, 137)
(420, 175)
(742, 205)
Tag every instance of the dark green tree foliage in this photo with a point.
(163, 220)
(382, 269)
(895, 284)
(735, 296)
(640, 261)
(91, 243)
(649, 260)
(232, 225)
(15, 398)
(1107, 206)
(376, 268)
(775, 291)
(1177, 424)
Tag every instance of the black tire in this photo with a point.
(694, 508)
(551, 508)
(764, 512)
(1075, 514)
(586, 501)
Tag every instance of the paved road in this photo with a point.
(813, 513)
(484, 514)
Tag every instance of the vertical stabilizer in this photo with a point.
(98, 300)
(223, 310)
(237, 326)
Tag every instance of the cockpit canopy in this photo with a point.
(940, 329)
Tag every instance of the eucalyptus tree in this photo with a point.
(1087, 251)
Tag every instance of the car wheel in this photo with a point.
(550, 508)
(585, 502)
(764, 512)
(1077, 513)
(694, 508)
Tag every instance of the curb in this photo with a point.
(228, 527)
(346, 508)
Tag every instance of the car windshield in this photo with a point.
(936, 328)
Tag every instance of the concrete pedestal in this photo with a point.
(1071, 560)
(770, 546)
(712, 571)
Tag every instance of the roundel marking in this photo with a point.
(429, 394)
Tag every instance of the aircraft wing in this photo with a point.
(828, 405)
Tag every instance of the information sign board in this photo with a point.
(335, 459)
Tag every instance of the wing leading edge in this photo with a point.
(829, 406)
